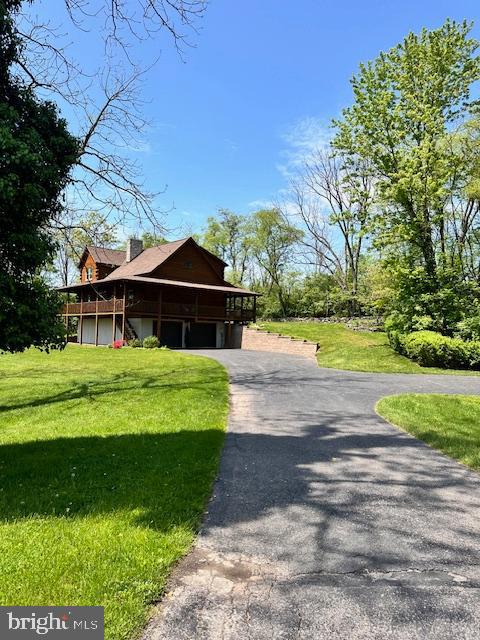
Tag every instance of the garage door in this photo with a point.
(171, 334)
(202, 335)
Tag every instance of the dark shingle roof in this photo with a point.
(147, 261)
(107, 256)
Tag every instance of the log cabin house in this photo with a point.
(175, 291)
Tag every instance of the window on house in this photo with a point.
(188, 264)
(89, 273)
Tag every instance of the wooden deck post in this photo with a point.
(96, 322)
(229, 336)
(80, 320)
(254, 308)
(114, 316)
(124, 310)
(159, 314)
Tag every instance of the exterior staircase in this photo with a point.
(260, 340)
(130, 333)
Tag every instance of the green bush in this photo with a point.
(396, 339)
(135, 343)
(468, 328)
(431, 349)
(151, 342)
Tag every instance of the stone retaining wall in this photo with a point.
(258, 340)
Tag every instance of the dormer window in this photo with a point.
(89, 273)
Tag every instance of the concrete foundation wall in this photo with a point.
(257, 340)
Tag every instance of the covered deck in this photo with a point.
(138, 305)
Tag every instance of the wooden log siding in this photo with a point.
(154, 308)
(151, 307)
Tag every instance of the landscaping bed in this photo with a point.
(107, 458)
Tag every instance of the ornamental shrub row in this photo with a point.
(150, 342)
(431, 349)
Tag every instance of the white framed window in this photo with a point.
(89, 273)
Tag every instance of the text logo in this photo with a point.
(57, 623)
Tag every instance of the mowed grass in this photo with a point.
(449, 423)
(107, 459)
(343, 348)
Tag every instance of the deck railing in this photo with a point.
(151, 307)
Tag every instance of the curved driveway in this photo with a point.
(327, 522)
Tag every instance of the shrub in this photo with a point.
(423, 323)
(468, 328)
(393, 327)
(151, 342)
(135, 343)
(396, 339)
(432, 349)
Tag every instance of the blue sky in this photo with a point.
(265, 77)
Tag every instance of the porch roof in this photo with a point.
(162, 281)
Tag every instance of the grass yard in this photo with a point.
(342, 348)
(449, 423)
(106, 460)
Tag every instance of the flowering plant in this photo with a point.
(118, 344)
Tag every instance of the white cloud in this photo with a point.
(256, 205)
(140, 147)
(303, 139)
(231, 145)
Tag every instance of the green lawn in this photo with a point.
(342, 348)
(450, 424)
(106, 461)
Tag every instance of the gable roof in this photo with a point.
(149, 259)
(105, 256)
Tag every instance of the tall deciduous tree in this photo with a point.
(408, 103)
(334, 204)
(226, 235)
(93, 228)
(104, 99)
(36, 155)
(272, 243)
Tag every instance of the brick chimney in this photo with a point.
(134, 248)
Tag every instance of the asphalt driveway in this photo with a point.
(326, 522)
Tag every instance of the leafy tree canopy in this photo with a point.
(36, 154)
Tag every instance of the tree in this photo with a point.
(151, 239)
(36, 156)
(105, 101)
(272, 242)
(227, 237)
(72, 239)
(409, 104)
(327, 196)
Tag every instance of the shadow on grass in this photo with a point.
(164, 478)
(121, 382)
